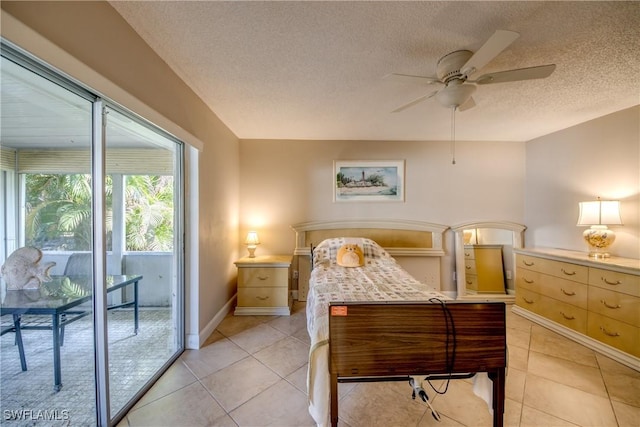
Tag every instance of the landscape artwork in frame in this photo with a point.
(368, 180)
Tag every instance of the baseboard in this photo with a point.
(194, 342)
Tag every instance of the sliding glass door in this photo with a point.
(143, 232)
(46, 140)
(97, 191)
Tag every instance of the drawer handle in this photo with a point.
(467, 254)
(263, 277)
(263, 298)
(569, 294)
(617, 282)
(568, 273)
(609, 306)
(469, 282)
(528, 264)
(528, 301)
(529, 281)
(467, 267)
(611, 334)
(567, 317)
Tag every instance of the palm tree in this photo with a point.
(58, 212)
(149, 213)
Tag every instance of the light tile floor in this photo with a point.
(252, 372)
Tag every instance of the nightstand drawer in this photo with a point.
(263, 297)
(263, 277)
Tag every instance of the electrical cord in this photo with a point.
(450, 358)
(451, 340)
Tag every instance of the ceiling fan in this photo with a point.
(455, 69)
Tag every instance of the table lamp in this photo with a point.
(598, 214)
(252, 242)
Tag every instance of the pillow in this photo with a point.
(350, 255)
(326, 252)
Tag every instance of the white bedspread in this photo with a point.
(382, 279)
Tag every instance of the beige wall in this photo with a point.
(92, 43)
(538, 184)
(287, 182)
(597, 158)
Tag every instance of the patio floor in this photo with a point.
(133, 359)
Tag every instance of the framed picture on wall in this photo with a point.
(368, 181)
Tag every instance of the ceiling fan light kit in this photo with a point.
(453, 71)
(455, 94)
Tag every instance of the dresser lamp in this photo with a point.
(252, 242)
(598, 214)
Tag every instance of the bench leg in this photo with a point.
(498, 377)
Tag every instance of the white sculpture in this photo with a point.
(23, 271)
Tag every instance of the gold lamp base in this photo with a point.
(599, 238)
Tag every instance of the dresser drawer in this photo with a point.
(263, 277)
(263, 297)
(530, 300)
(470, 266)
(615, 333)
(565, 290)
(565, 314)
(616, 305)
(471, 282)
(528, 279)
(531, 263)
(565, 270)
(469, 253)
(620, 282)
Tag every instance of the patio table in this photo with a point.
(61, 299)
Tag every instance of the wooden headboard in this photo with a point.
(398, 237)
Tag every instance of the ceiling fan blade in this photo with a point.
(492, 47)
(414, 102)
(531, 73)
(470, 103)
(407, 78)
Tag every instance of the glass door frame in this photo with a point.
(99, 245)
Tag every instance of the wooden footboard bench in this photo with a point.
(388, 341)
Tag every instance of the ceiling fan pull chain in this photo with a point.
(453, 135)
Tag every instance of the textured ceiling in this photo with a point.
(314, 70)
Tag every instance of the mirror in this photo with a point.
(485, 263)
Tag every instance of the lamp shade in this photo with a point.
(600, 212)
(252, 238)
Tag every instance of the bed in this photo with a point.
(349, 309)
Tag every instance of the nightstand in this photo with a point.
(263, 285)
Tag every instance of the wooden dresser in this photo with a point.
(593, 301)
(484, 269)
(264, 285)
